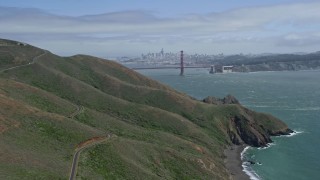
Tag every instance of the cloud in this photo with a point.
(131, 17)
(286, 25)
(299, 40)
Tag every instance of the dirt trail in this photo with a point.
(30, 63)
(83, 145)
(86, 144)
(78, 111)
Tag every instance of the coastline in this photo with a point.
(233, 162)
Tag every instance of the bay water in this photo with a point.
(292, 96)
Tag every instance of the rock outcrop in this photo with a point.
(229, 99)
(251, 128)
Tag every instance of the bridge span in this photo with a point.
(181, 67)
(168, 67)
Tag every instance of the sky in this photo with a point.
(109, 28)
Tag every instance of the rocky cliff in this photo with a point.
(250, 127)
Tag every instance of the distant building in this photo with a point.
(21, 44)
(212, 70)
(227, 69)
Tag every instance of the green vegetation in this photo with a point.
(270, 62)
(158, 133)
(5, 58)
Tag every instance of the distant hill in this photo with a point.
(52, 105)
(240, 62)
(272, 62)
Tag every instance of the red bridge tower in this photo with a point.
(181, 64)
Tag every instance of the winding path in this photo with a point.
(92, 142)
(78, 111)
(88, 143)
(30, 63)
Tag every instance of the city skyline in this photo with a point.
(126, 28)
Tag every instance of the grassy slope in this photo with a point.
(36, 144)
(159, 132)
(12, 54)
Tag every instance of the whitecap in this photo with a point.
(306, 109)
(246, 166)
(262, 106)
(293, 134)
(249, 171)
(244, 151)
(268, 145)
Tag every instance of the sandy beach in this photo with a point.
(234, 164)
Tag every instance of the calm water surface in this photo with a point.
(294, 97)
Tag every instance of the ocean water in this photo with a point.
(294, 97)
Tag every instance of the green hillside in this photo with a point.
(51, 104)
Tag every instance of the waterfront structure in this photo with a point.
(227, 69)
(212, 69)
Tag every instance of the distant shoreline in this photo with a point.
(233, 162)
(161, 67)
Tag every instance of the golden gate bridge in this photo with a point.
(182, 67)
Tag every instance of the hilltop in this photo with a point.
(52, 105)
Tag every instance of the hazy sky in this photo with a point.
(111, 28)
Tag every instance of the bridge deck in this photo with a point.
(177, 67)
